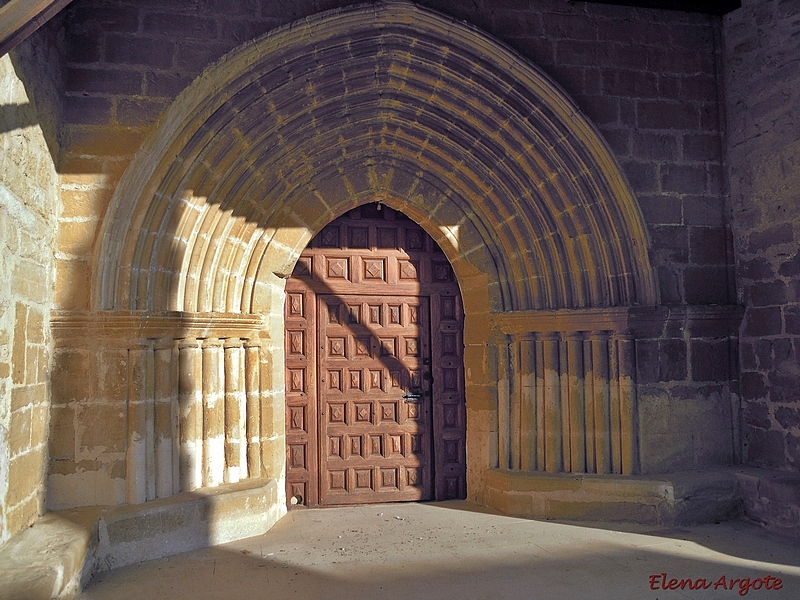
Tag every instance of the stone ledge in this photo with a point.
(55, 557)
(686, 498)
(45, 560)
(771, 498)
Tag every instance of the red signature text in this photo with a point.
(660, 581)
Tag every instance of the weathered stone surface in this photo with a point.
(762, 93)
(771, 498)
(647, 78)
(28, 213)
(677, 499)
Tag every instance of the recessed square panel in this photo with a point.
(412, 346)
(409, 270)
(396, 445)
(297, 456)
(388, 347)
(363, 412)
(358, 237)
(335, 447)
(355, 380)
(387, 238)
(416, 443)
(334, 318)
(297, 418)
(302, 267)
(394, 315)
(298, 493)
(388, 478)
(296, 380)
(376, 445)
(450, 415)
(374, 269)
(337, 481)
(448, 304)
(296, 342)
(353, 313)
(329, 238)
(355, 445)
(336, 413)
(388, 412)
(450, 383)
(413, 411)
(451, 488)
(449, 344)
(414, 476)
(395, 378)
(413, 314)
(375, 380)
(294, 305)
(336, 347)
(414, 379)
(442, 272)
(415, 239)
(375, 315)
(363, 479)
(451, 451)
(338, 269)
(335, 380)
(362, 347)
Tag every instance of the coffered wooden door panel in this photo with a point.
(374, 395)
(374, 377)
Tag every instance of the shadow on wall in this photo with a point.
(41, 52)
(14, 117)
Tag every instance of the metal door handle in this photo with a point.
(413, 396)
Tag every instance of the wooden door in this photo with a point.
(375, 406)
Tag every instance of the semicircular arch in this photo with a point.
(388, 101)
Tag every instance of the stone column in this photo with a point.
(577, 403)
(140, 425)
(166, 392)
(554, 462)
(528, 412)
(563, 383)
(190, 401)
(615, 433)
(253, 390)
(541, 403)
(515, 406)
(601, 401)
(213, 413)
(503, 404)
(588, 402)
(235, 405)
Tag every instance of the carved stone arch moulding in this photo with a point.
(387, 100)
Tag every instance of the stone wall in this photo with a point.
(762, 52)
(29, 113)
(646, 78)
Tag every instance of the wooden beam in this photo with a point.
(20, 18)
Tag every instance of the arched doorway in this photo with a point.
(375, 405)
(500, 168)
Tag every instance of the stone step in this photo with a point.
(685, 498)
(55, 557)
(771, 498)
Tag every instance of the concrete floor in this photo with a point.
(457, 550)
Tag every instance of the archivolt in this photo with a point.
(389, 102)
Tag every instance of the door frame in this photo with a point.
(447, 431)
